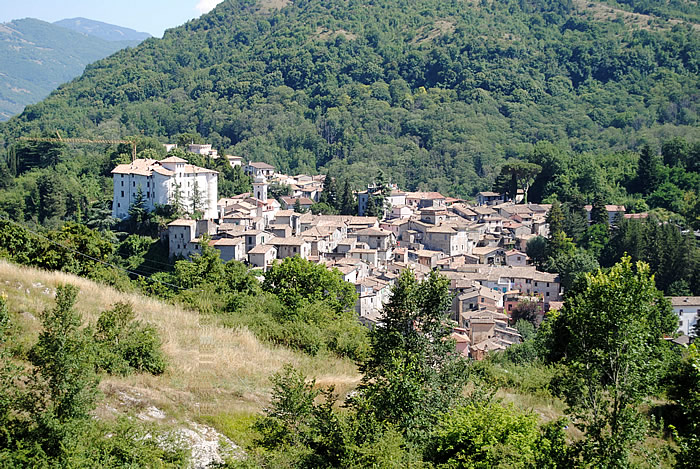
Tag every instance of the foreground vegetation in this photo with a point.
(415, 403)
(221, 372)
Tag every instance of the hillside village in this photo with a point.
(480, 247)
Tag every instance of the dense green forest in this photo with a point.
(436, 96)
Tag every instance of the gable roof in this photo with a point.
(260, 165)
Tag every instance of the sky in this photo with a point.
(150, 16)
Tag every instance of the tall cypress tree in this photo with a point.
(648, 171)
(348, 200)
(599, 215)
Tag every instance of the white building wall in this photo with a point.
(160, 189)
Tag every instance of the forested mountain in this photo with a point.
(436, 94)
(36, 57)
(106, 31)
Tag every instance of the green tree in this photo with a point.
(203, 269)
(599, 215)
(613, 323)
(555, 219)
(330, 195)
(139, 219)
(9, 374)
(52, 196)
(537, 250)
(65, 382)
(526, 310)
(372, 209)
(649, 170)
(482, 436)
(685, 390)
(413, 365)
(124, 344)
(515, 175)
(198, 200)
(298, 282)
(349, 205)
(571, 264)
(595, 239)
(322, 208)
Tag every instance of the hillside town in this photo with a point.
(479, 247)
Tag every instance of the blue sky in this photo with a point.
(151, 16)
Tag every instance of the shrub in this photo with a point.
(125, 345)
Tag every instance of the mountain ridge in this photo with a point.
(437, 97)
(36, 57)
(106, 31)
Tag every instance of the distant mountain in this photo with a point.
(106, 31)
(36, 57)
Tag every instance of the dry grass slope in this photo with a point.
(213, 370)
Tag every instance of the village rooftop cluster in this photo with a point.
(480, 247)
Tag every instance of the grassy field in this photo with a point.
(217, 375)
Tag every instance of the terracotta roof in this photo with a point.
(183, 222)
(229, 241)
(441, 229)
(260, 165)
(173, 159)
(373, 232)
(685, 300)
(261, 249)
(424, 195)
(293, 241)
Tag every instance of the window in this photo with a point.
(122, 193)
(134, 183)
(250, 240)
(181, 236)
(178, 246)
(482, 300)
(148, 184)
(535, 283)
(295, 249)
(148, 194)
(546, 294)
(122, 183)
(119, 205)
(548, 284)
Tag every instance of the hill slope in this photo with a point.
(436, 96)
(216, 375)
(106, 31)
(36, 57)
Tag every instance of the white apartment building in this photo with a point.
(159, 181)
(687, 308)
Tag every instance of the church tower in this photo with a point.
(260, 188)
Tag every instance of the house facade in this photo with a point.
(165, 182)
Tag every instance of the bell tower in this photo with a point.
(260, 188)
